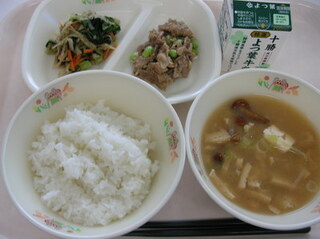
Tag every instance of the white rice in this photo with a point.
(92, 167)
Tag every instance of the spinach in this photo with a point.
(98, 30)
(49, 45)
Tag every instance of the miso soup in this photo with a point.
(262, 154)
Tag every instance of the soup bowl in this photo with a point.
(122, 93)
(288, 89)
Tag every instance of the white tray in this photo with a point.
(300, 56)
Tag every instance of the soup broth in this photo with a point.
(262, 154)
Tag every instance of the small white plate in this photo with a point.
(137, 18)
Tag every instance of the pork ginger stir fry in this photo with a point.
(253, 160)
(167, 55)
(83, 41)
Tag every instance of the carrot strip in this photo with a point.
(77, 60)
(87, 50)
(75, 25)
(107, 53)
(69, 54)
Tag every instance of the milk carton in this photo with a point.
(252, 32)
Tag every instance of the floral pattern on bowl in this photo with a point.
(51, 97)
(55, 224)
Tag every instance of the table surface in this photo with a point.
(14, 226)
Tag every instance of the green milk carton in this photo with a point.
(252, 32)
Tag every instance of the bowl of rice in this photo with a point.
(94, 154)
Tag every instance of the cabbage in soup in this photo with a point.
(262, 154)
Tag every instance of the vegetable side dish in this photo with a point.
(262, 154)
(167, 55)
(84, 40)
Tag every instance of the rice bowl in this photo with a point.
(122, 93)
(92, 167)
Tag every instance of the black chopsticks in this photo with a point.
(210, 227)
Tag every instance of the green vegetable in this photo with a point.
(179, 41)
(98, 52)
(229, 154)
(49, 45)
(74, 18)
(148, 51)
(173, 53)
(195, 51)
(245, 142)
(169, 40)
(85, 65)
(133, 56)
(84, 40)
(98, 30)
(195, 44)
(98, 60)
